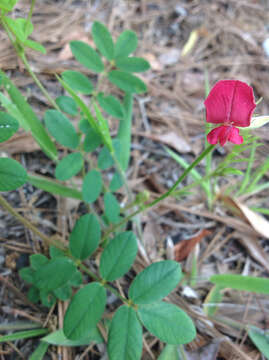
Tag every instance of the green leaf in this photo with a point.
(92, 186)
(125, 132)
(229, 171)
(127, 82)
(58, 338)
(12, 174)
(33, 295)
(85, 236)
(261, 339)
(55, 252)
(61, 129)
(23, 335)
(67, 105)
(8, 126)
(27, 274)
(116, 182)
(83, 107)
(69, 166)
(155, 282)
(86, 56)
(18, 27)
(38, 131)
(111, 105)
(168, 323)
(112, 208)
(239, 282)
(84, 311)
(92, 140)
(39, 352)
(7, 4)
(53, 187)
(170, 352)
(105, 160)
(125, 44)
(133, 64)
(13, 111)
(77, 81)
(125, 335)
(103, 40)
(35, 46)
(38, 260)
(212, 300)
(103, 128)
(54, 274)
(118, 256)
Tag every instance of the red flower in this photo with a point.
(229, 103)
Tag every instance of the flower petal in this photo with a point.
(234, 136)
(214, 135)
(230, 102)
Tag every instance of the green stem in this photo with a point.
(37, 81)
(110, 288)
(29, 17)
(29, 225)
(163, 196)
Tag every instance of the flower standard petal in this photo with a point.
(230, 102)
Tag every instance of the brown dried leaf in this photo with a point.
(20, 143)
(185, 247)
(257, 221)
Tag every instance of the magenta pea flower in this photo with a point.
(231, 104)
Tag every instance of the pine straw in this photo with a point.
(229, 46)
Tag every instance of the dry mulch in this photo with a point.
(229, 42)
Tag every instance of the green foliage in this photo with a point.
(92, 186)
(124, 132)
(23, 335)
(118, 256)
(53, 187)
(50, 279)
(127, 82)
(103, 40)
(69, 166)
(116, 182)
(260, 339)
(77, 81)
(125, 44)
(60, 127)
(39, 352)
(111, 105)
(240, 282)
(12, 174)
(86, 56)
(105, 160)
(67, 105)
(133, 64)
(85, 236)
(7, 5)
(38, 131)
(167, 322)
(8, 126)
(170, 352)
(112, 208)
(84, 311)
(125, 335)
(58, 338)
(155, 282)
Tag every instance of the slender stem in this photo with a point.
(37, 81)
(29, 17)
(163, 196)
(29, 225)
(110, 288)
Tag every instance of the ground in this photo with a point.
(229, 44)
